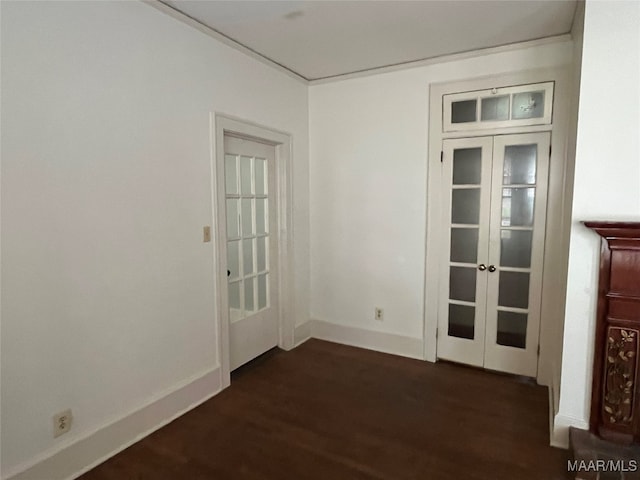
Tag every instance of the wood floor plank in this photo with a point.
(328, 411)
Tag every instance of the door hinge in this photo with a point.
(549, 151)
(441, 156)
(436, 333)
(538, 349)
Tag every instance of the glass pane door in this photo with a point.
(250, 207)
(492, 250)
(520, 170)
(467, 172)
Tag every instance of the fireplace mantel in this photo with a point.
(615, 398)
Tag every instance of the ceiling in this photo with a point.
(321, 39)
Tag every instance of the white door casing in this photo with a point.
(558, 220)
(283, 193)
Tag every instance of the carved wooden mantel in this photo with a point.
(615, 398)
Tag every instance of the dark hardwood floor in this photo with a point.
(327, 411)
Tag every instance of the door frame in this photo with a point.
(558, 221)
(221, 125)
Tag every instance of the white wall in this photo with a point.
(607, 179)
(106, 285)
(556, 335)
(106, 185)
(368, 155)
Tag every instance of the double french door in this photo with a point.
(494, 214)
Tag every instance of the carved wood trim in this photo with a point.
(615, 396)
(620, 376)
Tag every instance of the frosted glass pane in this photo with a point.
(461, 321)
(465, 206)
(247, 217)
(261, 176)
(527, 105)
(514, 289)
(520, 164)
(233, 259)
(234, 295)
(515, 248)
(463, 111)
(517, 207)
(261, 217)
(462, 284)
(512, 329)
(245, 175)
(467, 163)
(248, 294)
(233, 218)
(495, 108)
(262, 291)
(464, 245)
(231, 174)
(261, 253)
(247, 256)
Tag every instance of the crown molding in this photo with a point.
(198, 25)
(445, 58)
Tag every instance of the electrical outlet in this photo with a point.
(378, 314)
(206, 234)
(62, 422)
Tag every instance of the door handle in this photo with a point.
(492, 268)
(482, 267)
(228, 273)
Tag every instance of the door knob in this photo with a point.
(492, 268)
(482, 267)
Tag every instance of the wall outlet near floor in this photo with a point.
(378, 314)
(62, 422)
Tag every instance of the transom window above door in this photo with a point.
(498, 107)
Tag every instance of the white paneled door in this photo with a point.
(494, 219)
(252, 255)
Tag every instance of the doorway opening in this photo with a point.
(251, 176)
(498, 119)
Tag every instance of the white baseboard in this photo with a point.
(72, 460)
(302, 333)
(560, 432)
(370, 339)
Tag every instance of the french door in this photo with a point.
(252, 248)
(494, 214)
